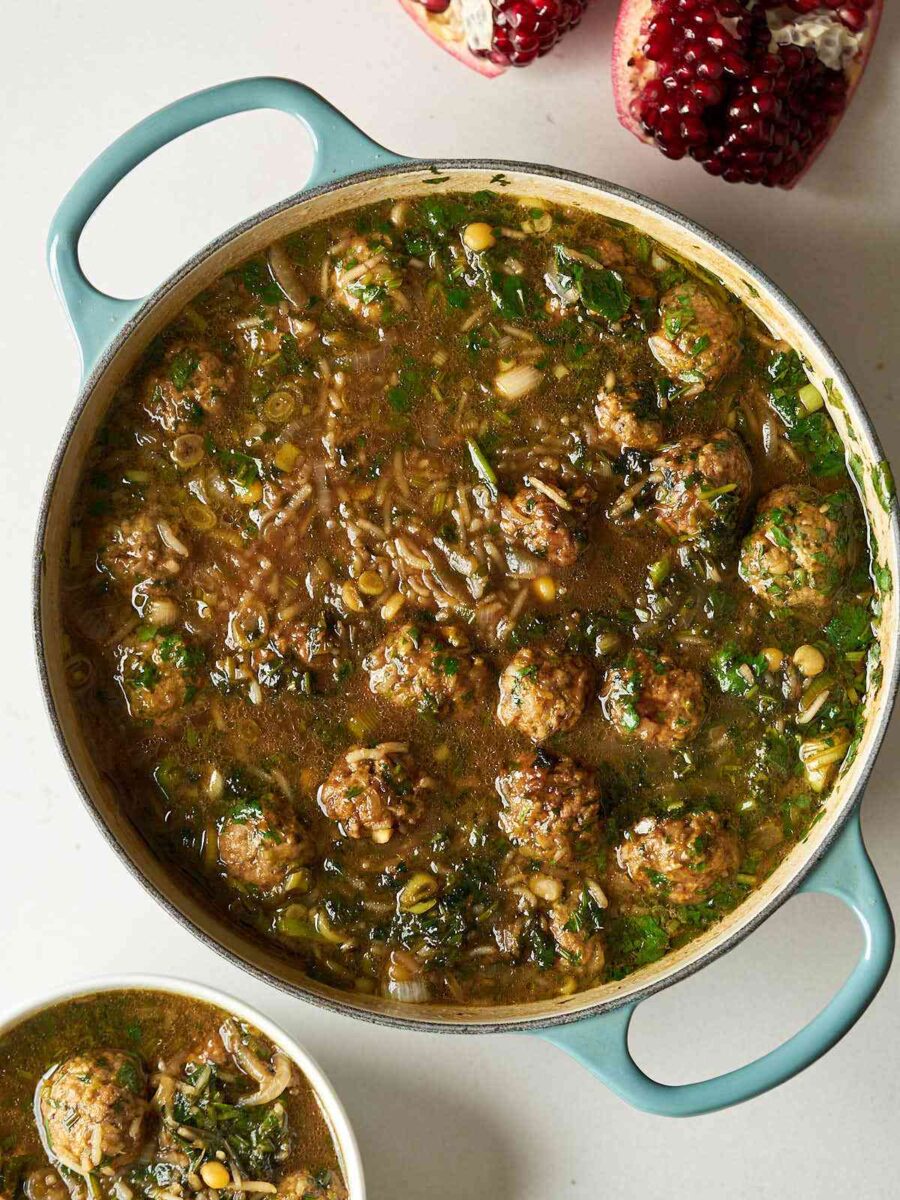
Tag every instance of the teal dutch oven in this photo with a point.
(350, 169)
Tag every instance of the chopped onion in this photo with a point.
(167, 533)
(271, 1089)
(285, 275)
(518, 382)
(271, 1083)
(568, 295)
(408, 991)
(161, 611)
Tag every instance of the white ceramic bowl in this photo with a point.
(332, 1109)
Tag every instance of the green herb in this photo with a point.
(482, 466)
(850, 628)
(737, 673)
(814, 433)
(259, 283)
(636, 941)
(182, 368)
(410, 387)
(587, 917)
(130, 1077)
(883, 479)
(602, 291)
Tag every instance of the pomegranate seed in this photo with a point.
(724, 95)
(853, 17)
(523, 30)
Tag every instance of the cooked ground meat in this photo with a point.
(798, 551)
(191, 382)
(261, 843)
(304, 1185)
(543, 692)
(680, 858)
(647, 696)
(699, 335)
(93, 1108)
(429, 668)
(551, 808)
(580, 949)
(628, 418)
(366, 280)
(546, 525)
(375, 793)
(156, 675)
(136, 551)
(704, 486)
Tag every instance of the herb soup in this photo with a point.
(469, 598)
(132, 1095)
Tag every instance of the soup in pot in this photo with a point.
(470, 598)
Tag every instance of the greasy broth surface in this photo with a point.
(157, 1027)
(339, 434)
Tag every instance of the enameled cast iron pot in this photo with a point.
(331, 1107)
(349, 170)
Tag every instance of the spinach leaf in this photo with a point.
(737, 673)
(850, 628)
(601, 290)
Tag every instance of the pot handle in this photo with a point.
(339, 147)
(601, 1043)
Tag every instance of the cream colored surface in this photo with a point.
(494, 1118)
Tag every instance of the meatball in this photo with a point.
(703, 486)
(679, 858)
(628, 419)
(375, 792)
(650, 698)
(699, 336)
(580, 948)
(192, 382)
(543, 692)
(366, 279)
(551, 808)
(297, 646)
(158, 675)
(143, 549)
(433, 671)
(93, 1108)
(797, 553)
(261, 842)
(543, 519)
(308, 1185)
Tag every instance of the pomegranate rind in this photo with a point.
(444, 33)
(632, 70)
(854, 74)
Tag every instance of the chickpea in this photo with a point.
(478, 236)
(773, 657)
(215, 1175)
(809, 661)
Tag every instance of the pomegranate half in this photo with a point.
(491, 35)
(750, 89)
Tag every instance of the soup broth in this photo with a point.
(470, 598)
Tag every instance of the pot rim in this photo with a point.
(336, 1116)
(335, 1000)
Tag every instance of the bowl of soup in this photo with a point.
(155, 1088)
(466, 590)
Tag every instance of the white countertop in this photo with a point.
(492, 1118)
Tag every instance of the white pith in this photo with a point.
(833, 42)
(478, 23)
